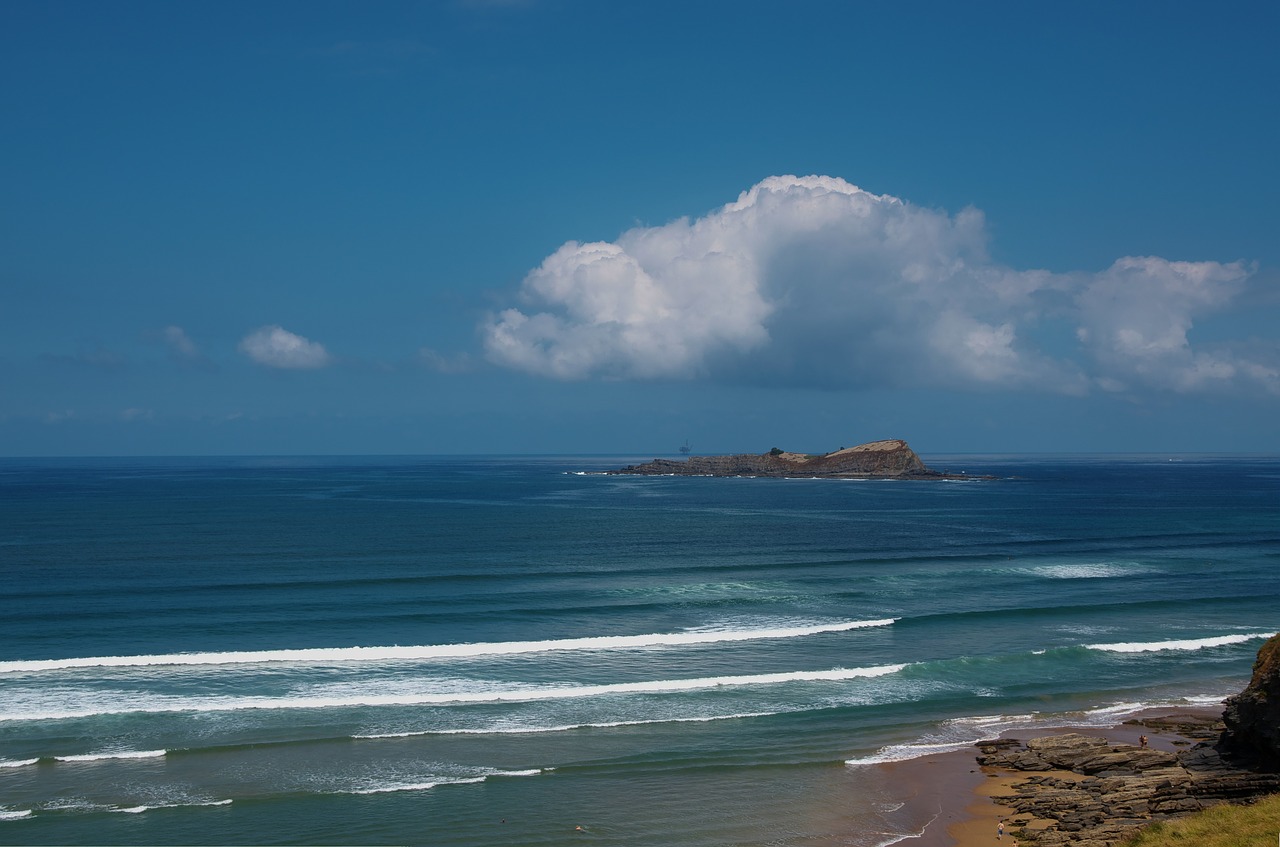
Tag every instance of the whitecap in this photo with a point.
(111, 754)
(458, 691)
(906, 752)
(507, 729)
(332, 655)
(1185, 644)
(1087, 570)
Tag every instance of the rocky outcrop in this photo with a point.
(1093, 793)
(879, 459)
(1252, 717)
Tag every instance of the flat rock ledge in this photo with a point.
(1093, 793)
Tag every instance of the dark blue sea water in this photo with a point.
(498, 650)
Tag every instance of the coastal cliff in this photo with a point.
(1086, 791)
(1252, 717)
(889, 459)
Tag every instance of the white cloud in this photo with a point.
(1135, 317)
(812, 280)
(180, 344)
(183, 351)
(276, 347)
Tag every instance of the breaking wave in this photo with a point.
(333, 655)
(113, 754)
(359, 697)
(1187, 644)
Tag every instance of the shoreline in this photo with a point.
(962, 791)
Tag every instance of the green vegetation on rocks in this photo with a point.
(1255, 825)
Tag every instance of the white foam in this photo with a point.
(1204, 700)
(17, 763)
(112, 754)
(358, 696)
(137, 810)
(963, 733)
(906, 752)
(520, 730)
(6, 815)
(1115, 709)
(410, 786)
(1088, 570)
(392, 787)
(331, 655)
(1187, 644)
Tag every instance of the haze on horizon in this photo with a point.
(564, 227)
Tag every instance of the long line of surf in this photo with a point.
(568, 727)
(1184, 644)
(331, 655)
(362, 698)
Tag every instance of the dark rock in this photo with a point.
(1114, 789)
(1197, 727)
(1252, 717)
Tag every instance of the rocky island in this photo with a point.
(889, 459)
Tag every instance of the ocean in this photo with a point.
(484, 650)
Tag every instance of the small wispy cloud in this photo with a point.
(444, 363)
(130, 415)
(182, 349)
(275, 347)
(180, 344)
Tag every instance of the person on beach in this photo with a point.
(1000, 831)
(1142, 741)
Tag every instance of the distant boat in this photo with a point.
(685, 448)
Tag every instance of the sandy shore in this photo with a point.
(962, 792)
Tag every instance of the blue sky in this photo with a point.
(583, 227)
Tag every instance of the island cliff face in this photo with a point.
(879, 459)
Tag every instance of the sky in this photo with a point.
(561, 227)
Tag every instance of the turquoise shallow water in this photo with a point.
(473, 650)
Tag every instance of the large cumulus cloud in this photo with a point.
(814, 281)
